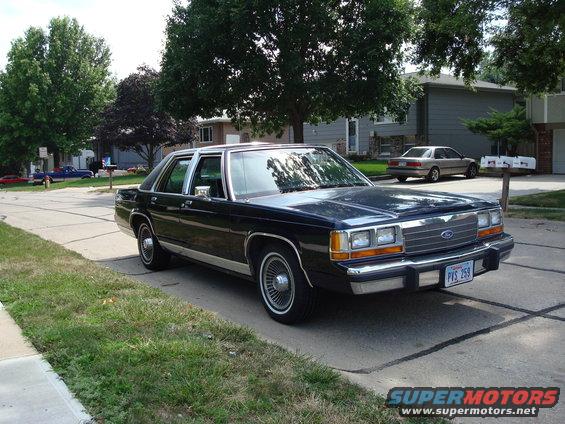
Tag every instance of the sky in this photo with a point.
(133, 29)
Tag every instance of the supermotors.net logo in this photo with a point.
(472, 401)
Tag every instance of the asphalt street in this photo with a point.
(506, 328)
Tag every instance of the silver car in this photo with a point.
(431, 162)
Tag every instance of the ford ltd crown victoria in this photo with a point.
(296, 219)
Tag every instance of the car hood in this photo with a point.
(355, 206)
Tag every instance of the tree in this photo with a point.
(275, 63)
(55, 85)
(134, 122)
(530, 46)
(508, 129)
(489, 71)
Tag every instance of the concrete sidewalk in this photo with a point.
(30, 391)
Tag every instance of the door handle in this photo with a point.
(186, 204)
(153, 199)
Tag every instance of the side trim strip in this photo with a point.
(250, 236)
(238, 267)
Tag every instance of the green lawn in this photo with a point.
(539, 206)
(551, 199)
(87, 182)
(371, 168)
(132, 353)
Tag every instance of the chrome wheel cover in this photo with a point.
(435, 174)
(145, 241)
(277, 283)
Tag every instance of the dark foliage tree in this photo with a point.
(54, 87)
(275, 63)
(508, 129)
(489, 71)
(135, 123)
(528, 37)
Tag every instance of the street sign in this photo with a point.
(43, 152)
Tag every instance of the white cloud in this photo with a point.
(133, 29)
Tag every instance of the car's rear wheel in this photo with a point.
(283, 288)
(151, 253)
(402, 179)
(433, 175)
(471, 171)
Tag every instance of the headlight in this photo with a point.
(360, 239)
(386, 235)
(495, 218)
(484, 220)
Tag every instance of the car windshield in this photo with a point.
(418, 152)
(265, 172)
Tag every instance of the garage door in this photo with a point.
(559, 151)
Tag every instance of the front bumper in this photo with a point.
(426, 271)
(407, 172)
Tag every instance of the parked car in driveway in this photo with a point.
(296, 219)
(12, 179)
(431, 162)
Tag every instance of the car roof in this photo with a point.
(219, 148)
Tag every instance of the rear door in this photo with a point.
(165, 202)
(440, 159)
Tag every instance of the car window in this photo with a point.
(418, 152)
(452, 154)
(440, 154)
(209, 173)
(174, 181)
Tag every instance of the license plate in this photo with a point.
(458, 273)
(401, 163)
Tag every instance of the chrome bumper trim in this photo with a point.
(430, 259)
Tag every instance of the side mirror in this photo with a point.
(202, 191)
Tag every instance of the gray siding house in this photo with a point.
(434, 119)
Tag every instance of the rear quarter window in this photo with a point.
(152, 177)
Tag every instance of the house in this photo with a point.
(123, 159)
(547, 114)
(434, 119)
(220, 130)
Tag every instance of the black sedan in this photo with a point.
(296, 219)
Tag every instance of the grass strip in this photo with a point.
(536, 213)
(550, 199)
(133, 354)
(371, 168)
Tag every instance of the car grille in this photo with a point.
(426, 238)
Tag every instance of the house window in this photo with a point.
(386, 119)
(206, 134)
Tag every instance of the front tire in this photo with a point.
(471, 171)
(433, 175)
(285, 293)
(151, 253)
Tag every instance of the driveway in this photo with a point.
(504, 329)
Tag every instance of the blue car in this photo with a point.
(67, 173)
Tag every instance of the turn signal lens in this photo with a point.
(339, 241)
(376, 252)
(491, 231)
(416, 164)
(336, 256)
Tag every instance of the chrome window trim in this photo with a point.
(239, 267)
(168, 167)
(251, 235)
(199, 156)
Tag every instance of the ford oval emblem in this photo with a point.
(447, 234)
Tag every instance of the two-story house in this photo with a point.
(547, 114)
(434, 119)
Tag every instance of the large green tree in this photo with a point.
(54, 87)
(134, 122)
(527, 38)
(508, 129)
(275, 63)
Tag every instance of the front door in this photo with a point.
(352, 136)
(559, 151)
(205, 221)
(164, 204)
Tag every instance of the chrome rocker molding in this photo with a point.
(239, 267)
(290, 243)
